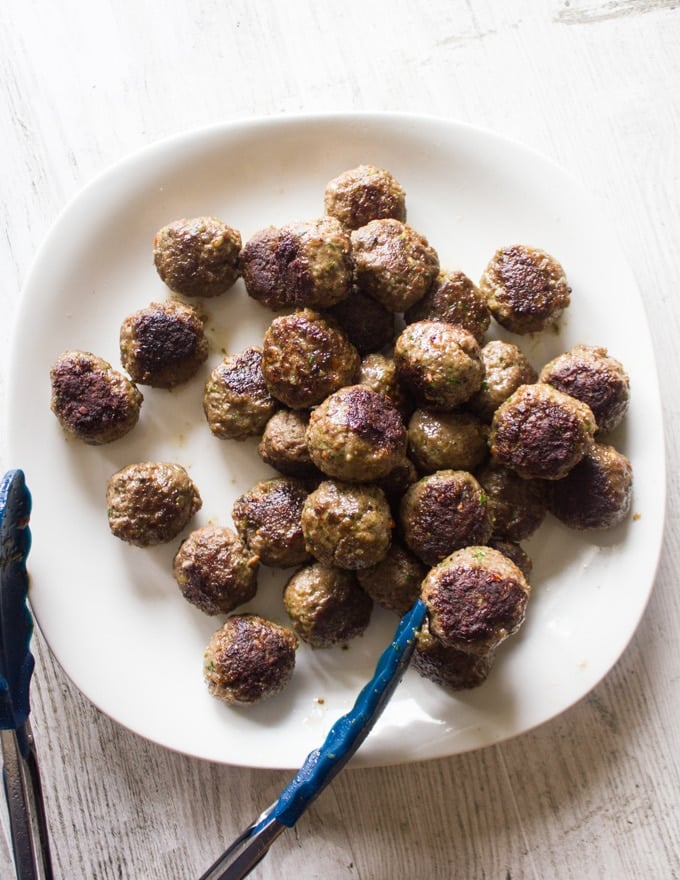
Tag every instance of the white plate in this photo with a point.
(112, 613)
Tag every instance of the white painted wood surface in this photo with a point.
(594, 84)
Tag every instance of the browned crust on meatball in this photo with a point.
(393, 263)
(236, 401)
(164, 344)
(394, 582)
(198, 256)
(476, 598)
(269, 519)
(93, 401)
(299, 264)
(356, 434)
(516, 505)
(526, 289)
(596, 493)
(326, 605)
(455, 299)
(283, 445)
(443, 512)
(150, 502)
(215, 571)
(306, 357)
(362, 194)
(448, 667)
(249, 659)
(505, 369)
(589, 374)
(368, 324)
(441, 441)
(541, 432)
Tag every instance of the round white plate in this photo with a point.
(112, 613)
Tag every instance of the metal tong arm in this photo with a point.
(322, 765)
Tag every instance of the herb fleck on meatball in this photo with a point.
(326, 605)
(215, 571)
(455, 299)
(163, 345)
(362, 194)
(236, 401)
(150, 502)
(249, 659)
(197, 256)
(92, 400)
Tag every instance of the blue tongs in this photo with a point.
(322, 765)
(20, 767)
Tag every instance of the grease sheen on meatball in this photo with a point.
(236, 401)
(91, 400)
(362, 194)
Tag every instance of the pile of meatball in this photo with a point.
(413, 455)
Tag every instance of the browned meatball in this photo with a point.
(589, 374)
(197, 257)
(505, 369)
(347, 526)
(268, 519)
(236, 401)
(379, 372)
(596, 493)
(150, 502)
(449, 667)
(441, 441)
(284, 446)
(515, 553)
(326, 605)
(368, 324)
(394, 582)
(249, 659)
(393, 263)
(443, 512)
(356, 434)
(215, 571)
(93, 401)
(163, 345)
(305, 358)
(299, 264)
(455, 299)
(362, 194)
(516, 505)
(541, 432)
(439, 363)
(475, 599)
(525, 288)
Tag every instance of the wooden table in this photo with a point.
(595, 85)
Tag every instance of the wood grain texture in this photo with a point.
(593, 85)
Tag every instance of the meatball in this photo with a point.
(215, 571)
(249, 659)
(526, 289)
(163, 345)
(541, 432)
(505, 369)
(397, 481)
(356, 434)
(92, 400)
(283, 445)
(197, 257)
(268, 519)
(596, 493)
(515, 553)
(150, 502)
(305, 358)
(393, 263)
(326, 605)
(394, 582)
(441, 441)
(379, 372)
(455, 299)
(439, 363)
(589, 374)
(443, 512)
(347, 526)
(362, 194)
(449, 667)
(299, 264)
(236, 401)
(368, 324)
(475, 599)
(516, 505)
